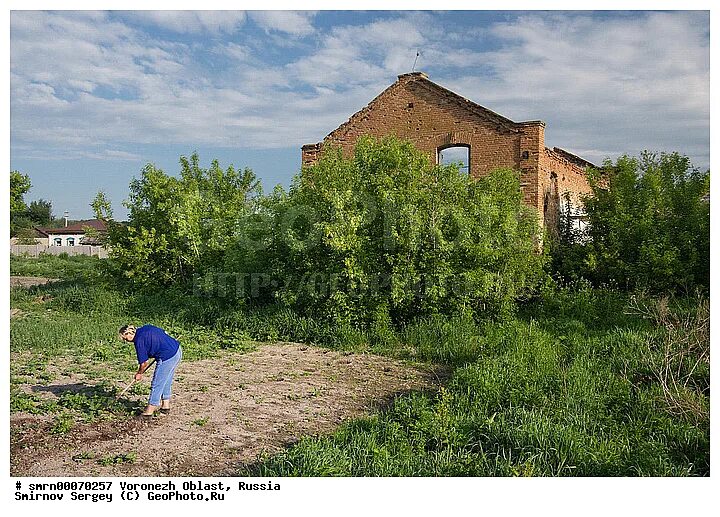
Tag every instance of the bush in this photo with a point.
(178, 227)
(649, 226)
(384, 236)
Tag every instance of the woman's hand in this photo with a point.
(141, 369)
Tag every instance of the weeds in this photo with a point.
(83, 456)
(93, 406)
(88, 406)
(140, 389)
(62, 424)
(678, 355)
(579, 383)
(23, 402)
(541, 395)
(52, 266)
(118, 459)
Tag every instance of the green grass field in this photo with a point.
(580, 382)
(57, 266)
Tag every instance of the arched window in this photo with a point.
(458, 154)
(71, 241)
(57, 241)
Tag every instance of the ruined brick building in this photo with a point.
(437, 121)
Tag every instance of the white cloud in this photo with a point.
(121, 155)
(191, 22)
(361, 54)
(80, 54)
(235, 51)
(622, 84)
(297, 23)
(601, 86)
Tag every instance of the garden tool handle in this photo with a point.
(132, 383)
(123, 392)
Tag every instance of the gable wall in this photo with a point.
(412, 110)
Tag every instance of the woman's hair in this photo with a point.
(126, 328)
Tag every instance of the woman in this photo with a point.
(154, 342)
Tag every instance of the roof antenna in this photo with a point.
(415, 63)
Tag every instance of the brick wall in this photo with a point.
(416, 109)
(570, 177)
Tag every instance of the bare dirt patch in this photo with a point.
(227, 413)
(29, 281)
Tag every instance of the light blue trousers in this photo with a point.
(161, 386)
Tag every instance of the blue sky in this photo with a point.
(94, 96)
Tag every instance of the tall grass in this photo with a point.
(55, 266)
(534, 396)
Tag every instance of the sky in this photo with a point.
(96, 95)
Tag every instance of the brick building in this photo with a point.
(441, 122)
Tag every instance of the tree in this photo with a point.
(40, 212)
(649, 224)
(19, 186)
(385, 236)
(102, 207)
(178, 227)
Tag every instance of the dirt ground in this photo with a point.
(29, 281)
(227, 413)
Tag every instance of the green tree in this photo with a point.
(40, 212)
(102, 210)
(101, 206)
(178, 227)
(386, 236)
(649, 225)
(19, 186)
(26, 236)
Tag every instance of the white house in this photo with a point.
(72, 235)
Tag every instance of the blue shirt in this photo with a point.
(151, 341)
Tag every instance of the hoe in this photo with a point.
(132, 383)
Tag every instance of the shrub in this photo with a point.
(180, 226)
(649, 226)
(385, 236)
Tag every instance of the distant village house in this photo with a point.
(75, 234)
(81, 238)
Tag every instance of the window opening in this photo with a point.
(459, 154)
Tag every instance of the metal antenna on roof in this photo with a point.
(415, 63)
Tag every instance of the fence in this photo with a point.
(34, 250)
